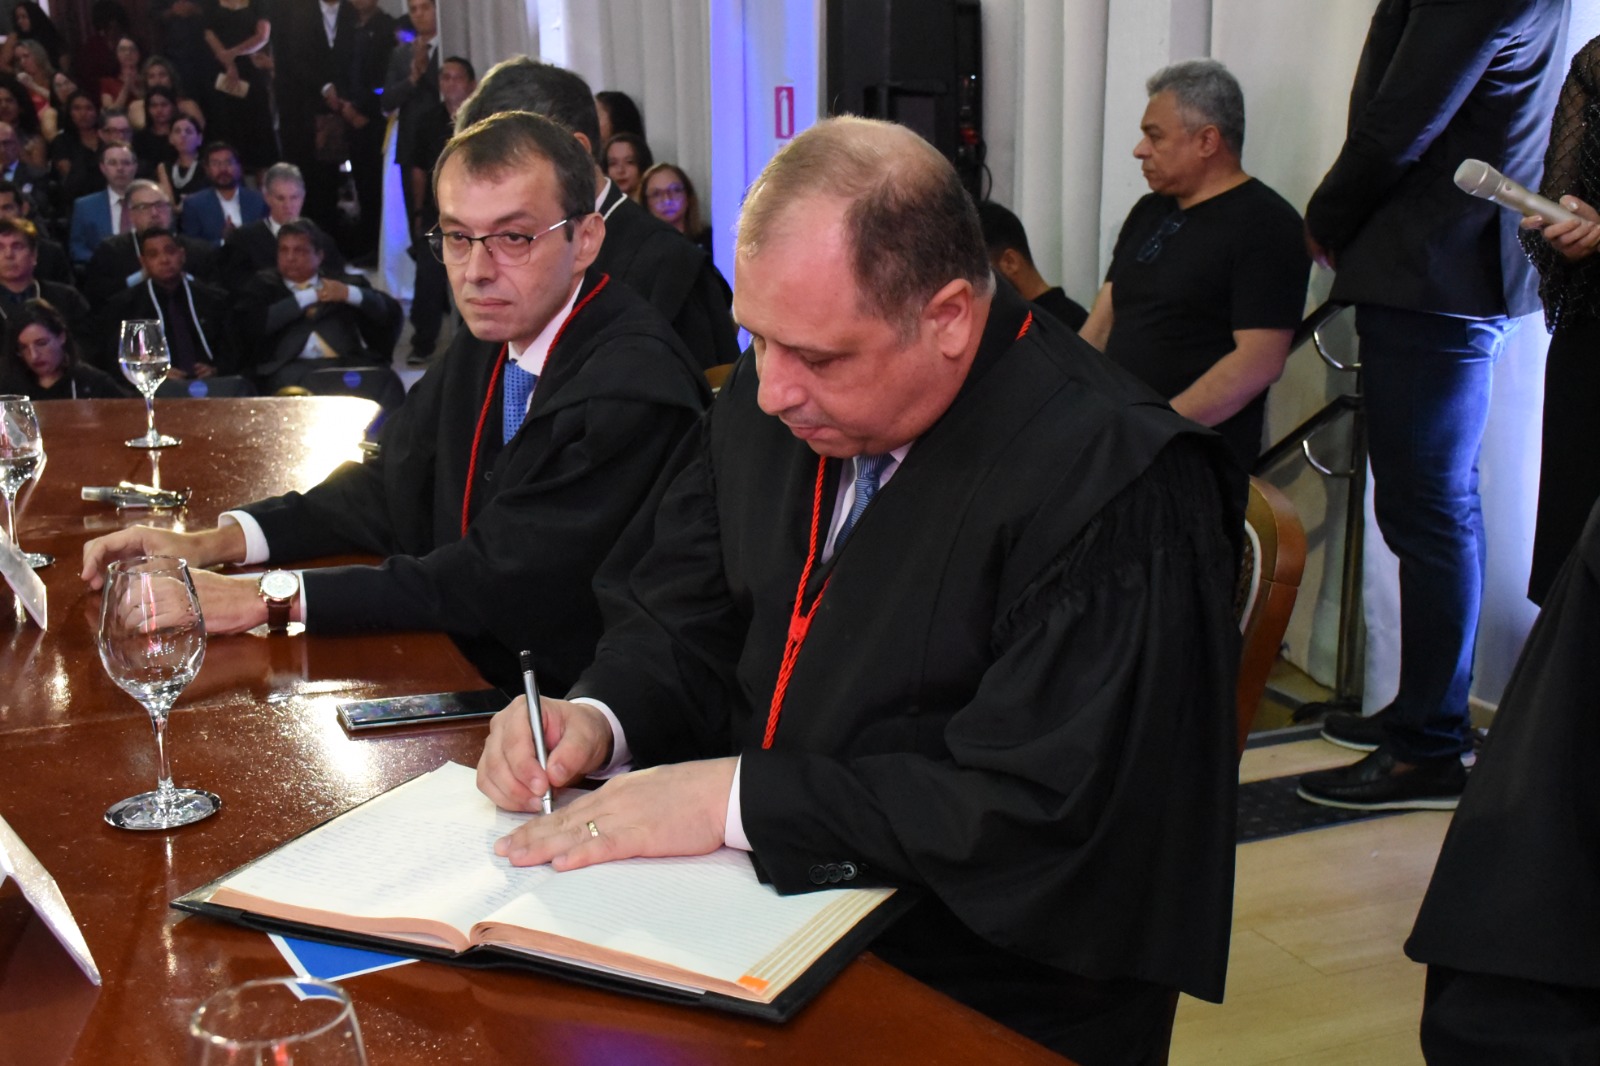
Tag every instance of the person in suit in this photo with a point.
(1438, 279)
(311, 89)
(53, 263)
(117, 264)
(19, 283)
(374, 43)
(192, 313)
(254, 246)
(30, 181)
(490, 490)
(211, 214)
(101, 214)
(411, 88)
(297, 318)
(431, 290)
(1003, 654)
(642, 251)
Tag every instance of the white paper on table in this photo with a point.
(44, 895)
(24, 581)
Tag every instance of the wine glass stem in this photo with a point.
(150, 415)
(11, 518)
(158, 721)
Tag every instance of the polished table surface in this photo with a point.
(257, 726)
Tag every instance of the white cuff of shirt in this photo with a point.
(354, 299)
(733, 829)
(256, 551)
(621, 757)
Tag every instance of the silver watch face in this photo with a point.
(279, 585)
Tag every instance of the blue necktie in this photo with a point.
(868, 469)
(515, 388)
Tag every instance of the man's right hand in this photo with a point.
(578, 743)
(225, 544)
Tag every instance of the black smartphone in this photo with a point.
(359, 715)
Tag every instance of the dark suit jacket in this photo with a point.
(1441, 81)
(91, 224)
(74, 308)
(209, 321)
(615, 396)
(673, 274)
(399, 95)
(34, 183)
(116, 259)
(299, 36)
(52, 263)
(272, 328)
(252, 248)
(203, 218)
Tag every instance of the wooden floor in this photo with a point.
(1316, 976)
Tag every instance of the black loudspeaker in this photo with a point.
(916, 62)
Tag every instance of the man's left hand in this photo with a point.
(330, 291)
(680, 809)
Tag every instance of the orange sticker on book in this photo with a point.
(754, 984)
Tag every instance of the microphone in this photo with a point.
(1478, 178)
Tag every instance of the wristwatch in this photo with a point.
(279, 589)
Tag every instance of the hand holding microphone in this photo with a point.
(1572, 227)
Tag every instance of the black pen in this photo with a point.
(530, 688)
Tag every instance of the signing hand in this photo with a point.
(225, 544)
(577, 738)
(1574, 240)
(681, 809)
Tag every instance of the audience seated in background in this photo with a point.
(40, 359)
(117, 265)
(213, 213)
(627, 157)
(254, 246)
(75, 150)
(101, 214)
(153, 141)
(52, 263)
(192, 313)
(1012, 259)
(185, 174)
(30, 181)
(641, 251)
(19, 283)
(618, 114)
(670, 196)
(160, 73)
(1208, 277)
(293, 319)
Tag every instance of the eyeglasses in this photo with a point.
(506, 249)
(147, 205)
(665, 192)
(1152, 247)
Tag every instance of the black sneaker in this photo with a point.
(1354, 731)
(1382, 783)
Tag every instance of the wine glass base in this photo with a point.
(146, 811)
(153, 440)
(39, 560)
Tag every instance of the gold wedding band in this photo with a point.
(594, 830)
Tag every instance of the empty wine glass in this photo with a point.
(21, 456)
(275, 1021)
(152, 639)
(145, 362)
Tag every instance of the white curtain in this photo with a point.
(487, 31)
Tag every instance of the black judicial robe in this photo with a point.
(673, 274)
(1514, 890)
(616, 394)
(1017, 693)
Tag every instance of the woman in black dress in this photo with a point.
(240, 110)
(1569, 268)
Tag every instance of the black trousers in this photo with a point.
(1470, 1019)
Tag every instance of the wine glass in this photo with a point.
(145, 362)
(21, 455)
(152, 639)
(274, 1021)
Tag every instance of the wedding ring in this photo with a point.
(594, 830)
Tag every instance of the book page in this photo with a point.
(423, 850)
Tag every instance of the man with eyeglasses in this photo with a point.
(116, 264)
(512, 467)
(1208, 279)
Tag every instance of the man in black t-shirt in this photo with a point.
(1208, 278)
(1012, 259)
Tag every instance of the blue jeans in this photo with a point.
(1426, 381)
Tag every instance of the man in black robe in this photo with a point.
(1003, 679)
(675, 275)
(493, 499)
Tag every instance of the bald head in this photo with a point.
(910, 224)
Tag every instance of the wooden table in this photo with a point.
(257, 726)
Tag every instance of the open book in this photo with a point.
(416, 866)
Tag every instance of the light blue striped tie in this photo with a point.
(868, 469)
(515, 388)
